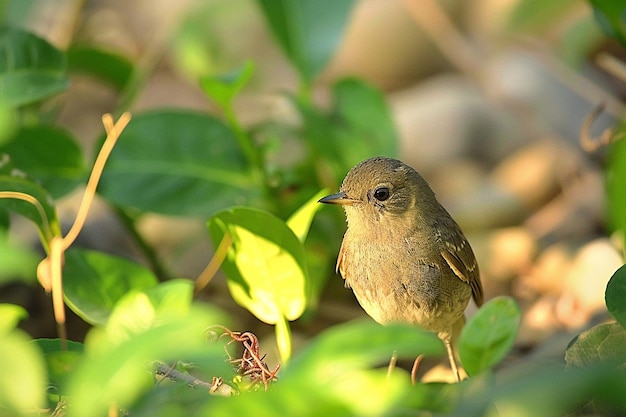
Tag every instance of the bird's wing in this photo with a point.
(460, 258)
(341, 267)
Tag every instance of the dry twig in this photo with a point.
(592, 144)
(251, 362)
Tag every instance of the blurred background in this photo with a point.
(488, 100)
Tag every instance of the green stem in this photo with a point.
(148, 251)
(283, 339)
(245, 142)
(252, 153)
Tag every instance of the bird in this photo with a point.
(403, 255)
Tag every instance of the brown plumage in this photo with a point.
(403, 255)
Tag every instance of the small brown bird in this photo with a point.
(404, 257)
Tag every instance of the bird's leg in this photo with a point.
(455, 369)
(392, 363)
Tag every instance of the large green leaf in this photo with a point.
(265, 265)
(308, 31)
(615, 296)
(48, 155)
(358, 345)
(139, 310)
(16, 12)
(10, 315)
(489, 335)
(339, 374)
(542, 388)
(116, 373)
(31, 69)
(61, 357)
(8, 123)
(16, 261)
(93, 282)
(362, 114)
(22, 380)
(611, 16)
(23, 376)
(300, 221)
(177, 163)
(536, 14)
(358, 126)
(616, 182)
(113, 68)
(602, 345)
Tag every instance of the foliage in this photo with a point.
(184, 163)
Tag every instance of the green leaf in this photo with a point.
(308, 31)
(139, 310)
(363, 111)
(542, 388)
(16, 12)
(602, 345)
(48, 155)
(616, 182)
(23, 376)
(16, 261)
(177, 163)
(489, 335)
(265, 265)
(611, 16)
(224, 88)
(119, 373)
(578, 41)
(93, 282)
(43, 213)
(536, 14)
(4, 222)
(359, 126)
(359, 345)
(61, 358)
(31, 69)
(8, 125)
(300, 221)
(334, 371)
(10, 315)
(113, 68)
(615, 296)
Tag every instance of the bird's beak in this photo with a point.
(339, 198)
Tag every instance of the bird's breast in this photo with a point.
(395, 282)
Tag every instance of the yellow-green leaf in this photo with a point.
(301, 219)
(265, 265)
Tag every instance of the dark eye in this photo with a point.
(381, 193)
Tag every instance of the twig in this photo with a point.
(415, 367)
(167, 371)
(251, 363)
(590, 143)
(612, 65)
(444, 34)
(50, 269)
(392, 363)
(218, 257)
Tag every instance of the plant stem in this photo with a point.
(283, 339)
(148, 251)
(244, 140)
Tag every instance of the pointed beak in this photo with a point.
(339, 198)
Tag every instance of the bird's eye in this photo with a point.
(381, 193)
